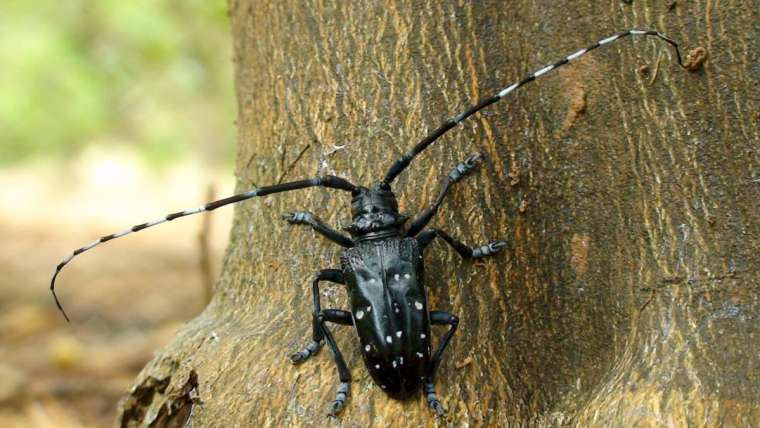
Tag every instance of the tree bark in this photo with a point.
(627, 187)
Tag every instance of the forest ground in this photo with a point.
(126, 299)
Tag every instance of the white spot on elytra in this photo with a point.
(396, 277)
(377, 366)
(396, 310)
(422, 335)
(394, 363)
(388, 339)
(419, 354)
(372, 281)
(401, 360)
(369, 309)
(382, 386)
(359, 314)
(367, 348)
(418, 305)
(407, 276)
(399, 333)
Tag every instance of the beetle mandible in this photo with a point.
(382, 265)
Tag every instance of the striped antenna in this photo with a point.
(326, 181)
(401, 164)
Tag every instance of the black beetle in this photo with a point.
(383, 271)
(382, 266)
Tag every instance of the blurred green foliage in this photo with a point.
(155, 75)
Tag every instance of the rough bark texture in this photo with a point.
(629, 296)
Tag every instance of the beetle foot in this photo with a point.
(438, 408)
(489, 249)
(311, 350)
(340, 399)
(432, 400)
(298, 217)
(464, 167)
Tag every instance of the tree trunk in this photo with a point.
(627, 187)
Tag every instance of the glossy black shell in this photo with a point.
(387, 296)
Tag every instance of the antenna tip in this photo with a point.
(55, 296)
(60, 307)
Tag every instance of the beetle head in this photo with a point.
(374, 210)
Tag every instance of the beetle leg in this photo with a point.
(455, 175)
(432, 399)
(426, 237)
(305, 217)
(442, 318)
(344, 318)
(438, 318)
(332, 275)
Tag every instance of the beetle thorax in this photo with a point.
(375, 213)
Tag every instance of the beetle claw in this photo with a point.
(464, 167)
(489, 249)
(437, 408)
(497, 246)
(432, 399)
(299, 357)
(299, 217)
(303, 355)
(470, 161)
(337, 405)
(335, 408)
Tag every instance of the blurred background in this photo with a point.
(112, 113)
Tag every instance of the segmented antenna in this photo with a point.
(401, 164)
(326, 181)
